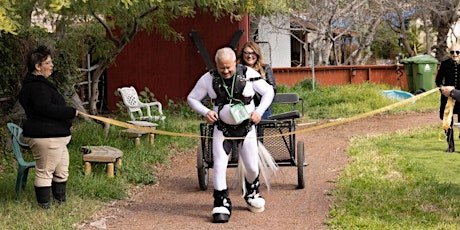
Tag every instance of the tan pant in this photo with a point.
(51, 159)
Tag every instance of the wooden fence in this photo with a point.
(340, 75)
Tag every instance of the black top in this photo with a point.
(222, 93)
(45, 108)
(448, 75)
(270, 79)
(447, 72)
(269, 76)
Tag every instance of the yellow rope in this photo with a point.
(136, 127)
(342, 121)
(368, 114)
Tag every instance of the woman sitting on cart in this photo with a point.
(231, 88)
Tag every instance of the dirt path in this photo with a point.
(176, 202)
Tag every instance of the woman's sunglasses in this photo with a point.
(454, 51)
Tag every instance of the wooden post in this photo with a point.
(110, 169)
(87, 168)
(151, 138)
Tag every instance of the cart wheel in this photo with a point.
(301, 171)
(203, 173)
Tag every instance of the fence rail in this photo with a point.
(340, 75)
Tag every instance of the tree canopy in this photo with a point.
(103, 28)
(328, 21)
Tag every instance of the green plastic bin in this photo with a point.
(408, 62)
(423, 73)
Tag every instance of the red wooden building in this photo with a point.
(170, 69)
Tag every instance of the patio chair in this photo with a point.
(135, 106)
(23, 166)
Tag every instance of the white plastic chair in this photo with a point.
(134, 105)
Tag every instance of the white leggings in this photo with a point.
(249, 155)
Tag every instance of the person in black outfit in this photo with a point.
(47, 128)
(448, 75)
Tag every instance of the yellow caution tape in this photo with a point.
(338, 122)
(368, 114)
(136, 127)
(448, 113)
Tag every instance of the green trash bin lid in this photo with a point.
(407, 60)
(424, 59)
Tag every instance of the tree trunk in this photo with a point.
(426, 28)
(442, 23)
(94, 90)
(441, 46)
(78, 104)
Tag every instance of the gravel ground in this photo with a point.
(177, 202)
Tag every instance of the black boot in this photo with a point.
(450, 140)
(58, 190)
(222, 206)
(43, 196)
(256, 203)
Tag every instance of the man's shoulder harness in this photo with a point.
(222, 95)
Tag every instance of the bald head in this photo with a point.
(455, 52)
(226, 62)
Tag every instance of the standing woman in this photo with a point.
(251, 55)
(47, 128)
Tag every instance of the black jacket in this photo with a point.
(269, 76)
(270, 79)
(46, 110)
(446, 77)
(455, 94)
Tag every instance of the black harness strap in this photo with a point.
(201, 49)
(255, 78)
(236, 38)
(222, 99)
(222, 95)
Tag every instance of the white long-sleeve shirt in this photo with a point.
(204, 87)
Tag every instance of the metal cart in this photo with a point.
(277, 134)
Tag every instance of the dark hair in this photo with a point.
(39, 55)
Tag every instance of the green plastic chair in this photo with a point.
(23, 168)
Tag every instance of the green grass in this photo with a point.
(88, 194)
(349, 100)
(399, 181)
